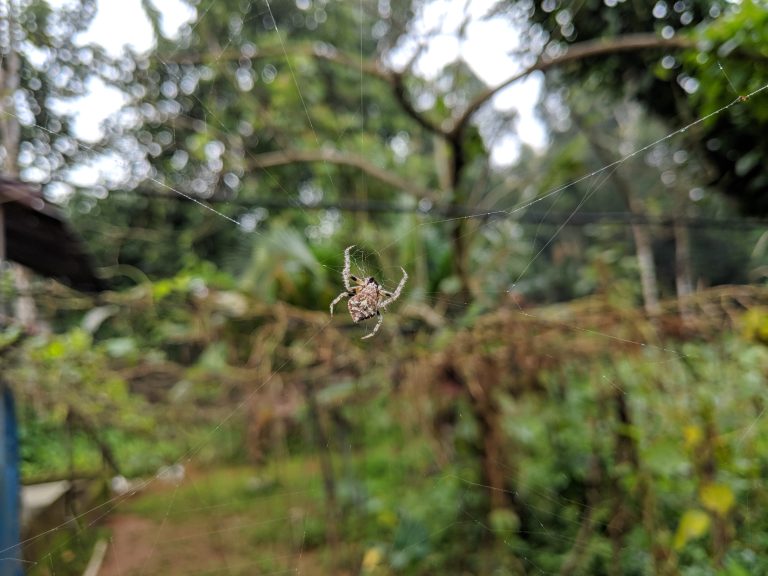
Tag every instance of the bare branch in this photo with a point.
(318, 50)
(579, 51)
(330, 156)
(398, 88)
(327, 53)
(396, 81)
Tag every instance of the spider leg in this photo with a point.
(375, 328)
(396, 294)
(347, 265)
(338, 299)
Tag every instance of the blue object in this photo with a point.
(10, 546)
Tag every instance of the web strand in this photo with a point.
(298, 90)
(604, 171)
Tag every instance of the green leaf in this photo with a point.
(755, 325)
(54, 350)
(504, 520)
(718, 498)
(693, 436)
(693, 524)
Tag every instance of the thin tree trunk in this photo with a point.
(10, 137)
(10, 131)
(646, 266)
(683, 268)
(460, 259)
(640, 233)
(449, 159)
(643, 242)
(625, 455)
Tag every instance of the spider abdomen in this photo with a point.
(364, 304)
(366, 296)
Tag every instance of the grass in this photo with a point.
(238, 518)
(399, 512)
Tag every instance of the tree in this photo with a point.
(45, 70)
(609, 50)
(243, 108)
(704, 55)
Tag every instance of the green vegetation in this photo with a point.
(573, 381)
(513, 448)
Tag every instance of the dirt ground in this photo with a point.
(222, 522)
(192, 544)
(139, 546)
(130, 547)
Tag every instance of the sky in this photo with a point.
(485, 47)
(117, 24)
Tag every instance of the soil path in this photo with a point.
(215, 534)
(130, 547)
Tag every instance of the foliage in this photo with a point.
(67, 382)
(726, 60)
(518, 413)
(210, 108)
(644, 452)
(54, 70)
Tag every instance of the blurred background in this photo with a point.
(573, 380)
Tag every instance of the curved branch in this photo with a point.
(318, 50)
(575, 52)
(327, 53)
(454, 133)
(330, 156)
(398, 88)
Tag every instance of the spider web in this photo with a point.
(543, 505)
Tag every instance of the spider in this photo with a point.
(367, 298)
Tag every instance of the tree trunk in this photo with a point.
(450, 160)
(458, 236)
(10, 136)
(10, 131)
(683, 272)
(640, 232)
(625, 455)
(646, 266)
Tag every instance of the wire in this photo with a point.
(460, 211)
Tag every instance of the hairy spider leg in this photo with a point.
(396, 294)
(338, 299)
(375, 328)
(347, 265)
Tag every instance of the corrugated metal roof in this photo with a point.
(37, 236)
